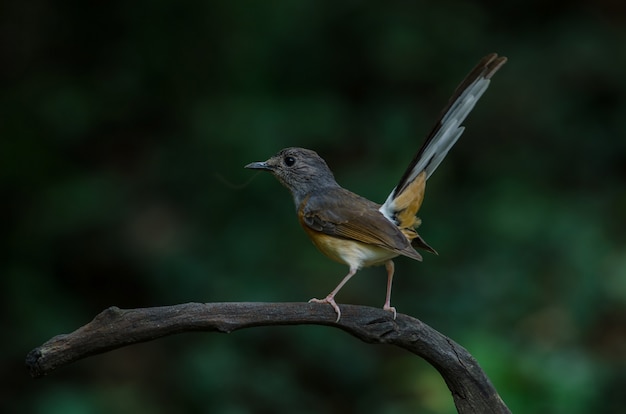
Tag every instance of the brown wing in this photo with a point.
(339, 212)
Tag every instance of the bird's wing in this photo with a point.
(341, 213)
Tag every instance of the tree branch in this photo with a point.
(114, 328)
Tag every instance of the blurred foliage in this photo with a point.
(125, 128)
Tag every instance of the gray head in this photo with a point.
(300, 170)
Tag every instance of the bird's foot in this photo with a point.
(390, 308)
(331, 301)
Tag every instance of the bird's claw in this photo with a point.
(391, 309)
(331, 301)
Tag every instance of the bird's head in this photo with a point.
(300, 170)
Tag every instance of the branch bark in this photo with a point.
(114, 328)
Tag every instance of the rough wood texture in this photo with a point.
(114, 327)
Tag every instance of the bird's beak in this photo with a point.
(262, 165)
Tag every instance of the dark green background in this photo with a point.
(124, 130)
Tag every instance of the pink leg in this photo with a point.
(387, 306)
(330, 299)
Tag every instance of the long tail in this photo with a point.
(406, 198)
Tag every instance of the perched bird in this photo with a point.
(358, 232)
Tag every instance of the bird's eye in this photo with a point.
(289, 161)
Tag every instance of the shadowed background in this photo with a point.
(125, 128)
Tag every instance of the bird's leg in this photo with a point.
(387, 306)
(330, 299)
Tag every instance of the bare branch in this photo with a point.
(114, 328)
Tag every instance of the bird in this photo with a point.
(355, 231)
